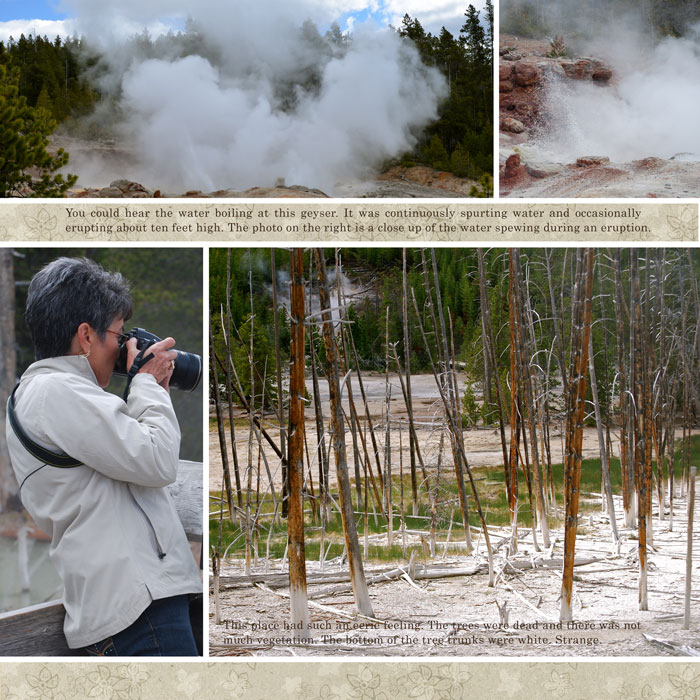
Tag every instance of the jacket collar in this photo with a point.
(77, 365)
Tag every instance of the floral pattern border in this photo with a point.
(119, 221)
(331, 680)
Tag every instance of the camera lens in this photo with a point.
(187, 372)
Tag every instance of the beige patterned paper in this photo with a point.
(114, 221)
(423, 680)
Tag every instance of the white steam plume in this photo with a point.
(647, 110)
(252, 96)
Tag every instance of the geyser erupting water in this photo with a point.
(250, 94)
(649, 109)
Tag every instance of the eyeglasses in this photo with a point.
(121, 337)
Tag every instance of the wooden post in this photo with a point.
(689, 555)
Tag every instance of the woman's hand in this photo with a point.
(162, 363)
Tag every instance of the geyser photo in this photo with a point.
(597, 98)
(271, 99)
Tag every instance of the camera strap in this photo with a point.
(44, 455)
(139, 361)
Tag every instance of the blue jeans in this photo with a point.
(163, 629)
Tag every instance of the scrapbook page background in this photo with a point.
(398, 221)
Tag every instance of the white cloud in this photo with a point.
(119, 28)
(433, 14)
(51, 28)
(94, 17)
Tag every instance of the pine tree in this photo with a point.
(436, 154)
(473, 36)
(23, 141)
(44, 100)
(489, 29)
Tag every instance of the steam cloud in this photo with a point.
(251, 95)
(646, 111)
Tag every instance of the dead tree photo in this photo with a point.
(454, 451)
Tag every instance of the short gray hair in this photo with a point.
(68, 292)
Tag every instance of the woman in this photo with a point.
(117, 542)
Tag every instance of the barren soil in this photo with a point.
(483, 445)
(460, 616)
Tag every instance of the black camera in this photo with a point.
(188, 366)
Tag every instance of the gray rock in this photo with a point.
(110, 192)
(541, 170)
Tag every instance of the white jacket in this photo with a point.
(116, 539)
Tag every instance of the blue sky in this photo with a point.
(28, 9)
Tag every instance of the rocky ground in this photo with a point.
(90, 157)
(528, 170)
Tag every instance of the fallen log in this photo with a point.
(679, 650)
(395, 574)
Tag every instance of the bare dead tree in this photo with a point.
(387, 440)
(516, 422)
(490, 351)
(228, 365)
(640, 434)
(359, 584)
(628, 481)
(454, 426)
(442, 354)
(280, 398)
(605, 466)
(299, 609)
(413, 442)
(556, 319)
(529, 391)
(323, 463)
(220, 427)
(582, 304)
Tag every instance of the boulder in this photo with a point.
(110, 193)
(649, 163)
(541, 170)
(601, 75)
(577, 70)
(512, 167)
(128, 188)
(526, 73)
(587, 161)
(513, 125)
(505, 77)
